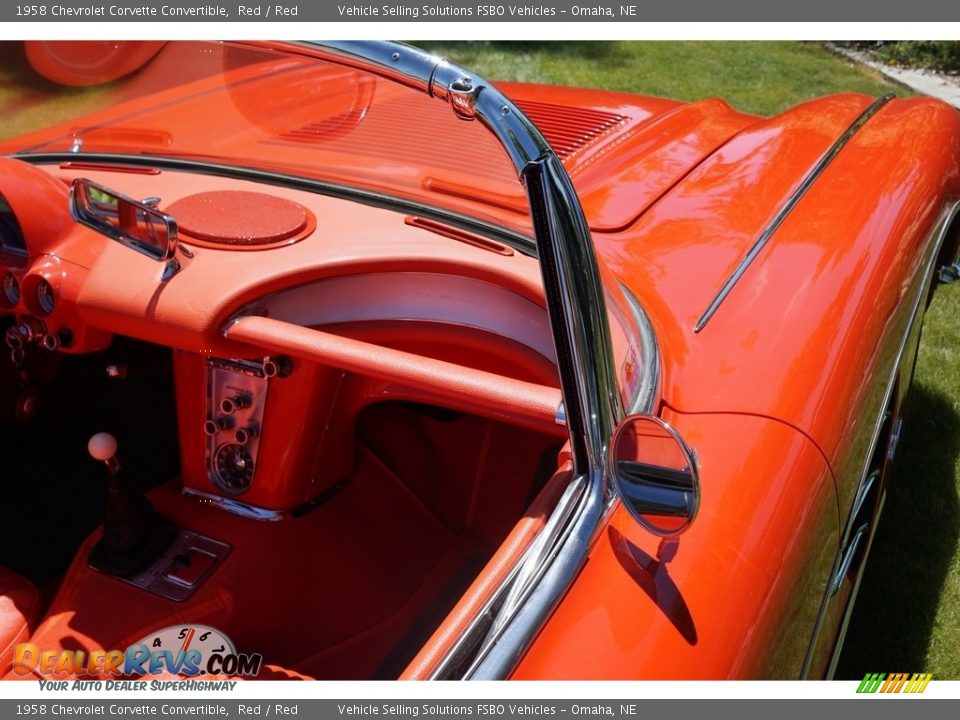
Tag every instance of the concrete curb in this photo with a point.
(925, 82)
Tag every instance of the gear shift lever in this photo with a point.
(103, 446)
(133, 534)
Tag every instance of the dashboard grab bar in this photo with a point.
(502, 398)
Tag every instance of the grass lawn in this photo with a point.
(908, 614)
(756, 77)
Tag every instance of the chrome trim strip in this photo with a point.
(649, 386)
(787, 208)
(532, 567)
(517, 241)
(234, 506)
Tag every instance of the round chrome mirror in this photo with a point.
(656, 474)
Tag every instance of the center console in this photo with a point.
(265, 441)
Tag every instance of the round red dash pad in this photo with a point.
(237, 217)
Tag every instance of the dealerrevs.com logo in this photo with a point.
(894, 682)
(184, 650)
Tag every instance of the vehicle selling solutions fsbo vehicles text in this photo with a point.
(481, 10)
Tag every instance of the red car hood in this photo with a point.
(623, 151)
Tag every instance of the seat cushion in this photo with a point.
(19, 607)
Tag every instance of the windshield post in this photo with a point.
(578, 315)
(575, 297)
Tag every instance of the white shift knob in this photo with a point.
(102, 446)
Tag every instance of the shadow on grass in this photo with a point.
(21, 87)
(892, 621)
(15, 70)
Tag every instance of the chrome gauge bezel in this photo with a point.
(46, 297)
(232, 484)
(12, 291)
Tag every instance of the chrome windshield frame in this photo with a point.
(578, 316)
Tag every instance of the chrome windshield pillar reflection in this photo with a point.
(569, 267)
(575, 303)
(577, 310)
(584, 351)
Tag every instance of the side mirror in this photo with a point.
(128, 221)
(656, 474)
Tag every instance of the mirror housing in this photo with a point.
(655, 474)
(130, 222)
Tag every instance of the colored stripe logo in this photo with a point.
(894, 682)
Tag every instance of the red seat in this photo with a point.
(19, 607)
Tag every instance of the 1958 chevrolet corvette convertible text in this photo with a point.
(388, 372)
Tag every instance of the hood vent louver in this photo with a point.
(568, 130)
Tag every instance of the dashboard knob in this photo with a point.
(245, 435)
(212, 427)
(13, 338)
(31, 330)
(279, 366)
(231, 404)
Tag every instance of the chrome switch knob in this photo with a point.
(231, 404)
(212, 427)
(245, 435)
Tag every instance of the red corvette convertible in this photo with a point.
(387, 372)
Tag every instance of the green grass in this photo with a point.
(756, 77)
(908, 614)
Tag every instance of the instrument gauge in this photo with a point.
(46, 297)
(11, 289)
(233, 467)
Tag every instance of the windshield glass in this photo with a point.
(261, 108)
(274, 108)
